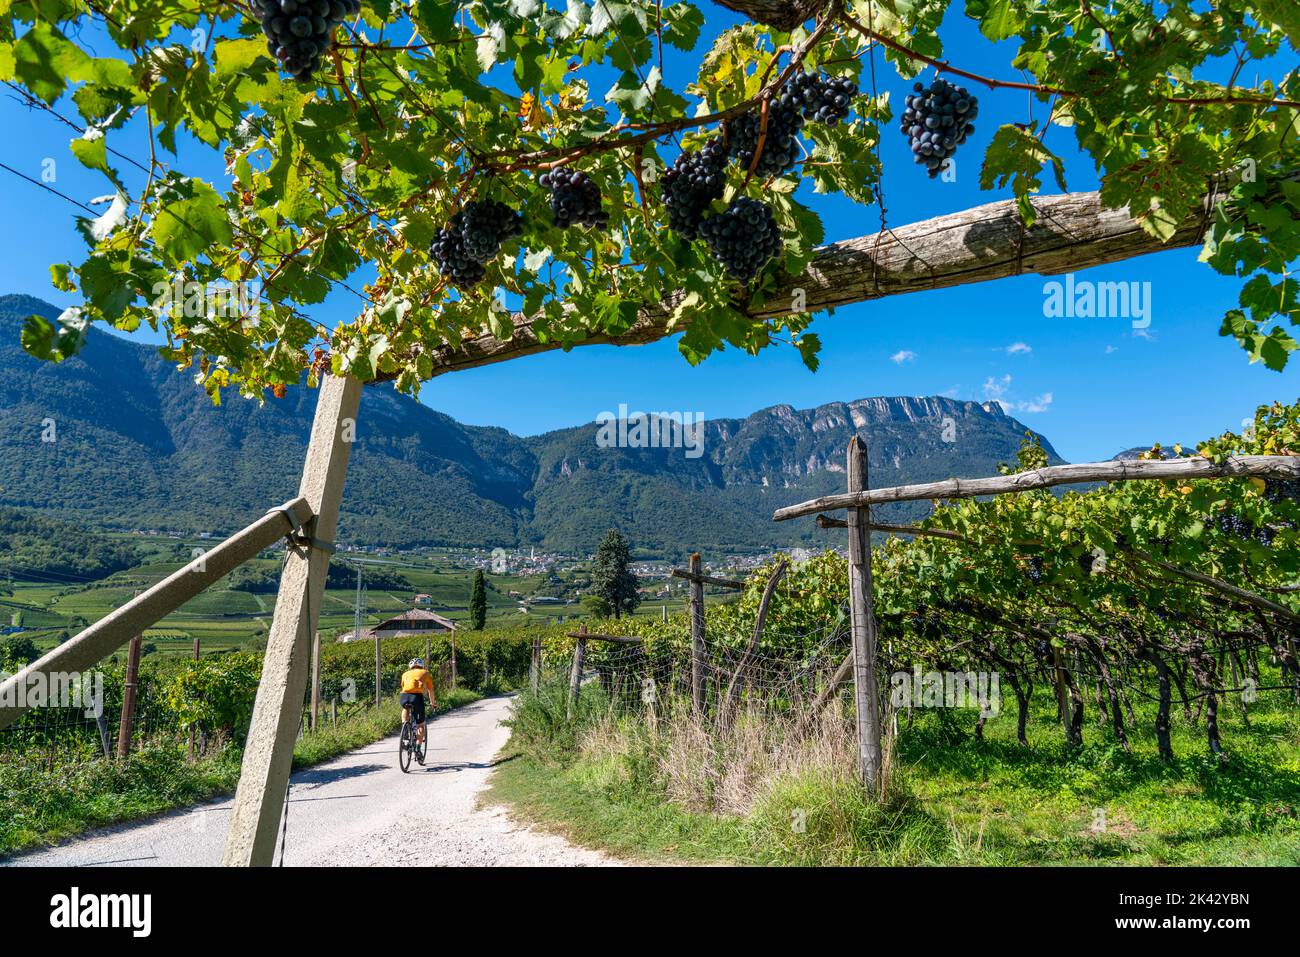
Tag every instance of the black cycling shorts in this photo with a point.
(414, 702)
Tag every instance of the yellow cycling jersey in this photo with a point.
(417, 680)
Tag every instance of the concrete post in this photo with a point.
(268, 755)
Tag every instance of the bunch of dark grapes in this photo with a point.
(693, 182)
(1086, 561)
(937, 121)
(1280, 490)
(472, 239)
(805, 97)
(575, 198)
(1035, 572)
(1230, 523)
(780, 148)
(824, 99)
(300, 32)
(744, 238)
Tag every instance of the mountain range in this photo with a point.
(137, 445)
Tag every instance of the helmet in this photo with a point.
(417, 662)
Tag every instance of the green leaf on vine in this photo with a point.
(187, 225)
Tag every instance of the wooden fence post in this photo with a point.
(575, 676)
(315, 679)
(863, 622)
(268, 754)
(698, 664)
(535, 665)
(127, 719)
(334, 712)
(379, 668)
(453, 657)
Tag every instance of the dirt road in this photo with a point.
(358, 809)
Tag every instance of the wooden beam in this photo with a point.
(782, 14)
(1219, 585)
(1074, 231)
(702, 579)
(268, 754)
(94, 644)
(1241, 466)
(825, 521)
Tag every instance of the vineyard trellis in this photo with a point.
(309, 524)
(1080, 654)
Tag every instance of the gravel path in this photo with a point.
(359, 809)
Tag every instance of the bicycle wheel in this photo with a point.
(405, 746)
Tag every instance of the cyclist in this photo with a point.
(415, 682)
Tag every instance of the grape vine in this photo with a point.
(300, 32)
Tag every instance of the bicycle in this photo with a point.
(409, 745)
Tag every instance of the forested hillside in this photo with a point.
(137, 446)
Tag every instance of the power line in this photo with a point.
(50, 189)
(34, 103)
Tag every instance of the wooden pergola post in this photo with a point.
(863, 623)
(268, 754)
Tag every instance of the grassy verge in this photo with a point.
(677, 792)
(41, 805)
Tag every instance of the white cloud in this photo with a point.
(951, 393)
(1040, 404)
(1019, 348)
(997, 388)
(1146, 334)
(903, 355)
(1110, 349)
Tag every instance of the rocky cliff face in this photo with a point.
(139, 446)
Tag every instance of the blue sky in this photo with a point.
(1093, 386)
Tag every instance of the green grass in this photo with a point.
(40, 805)
(954, 800)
